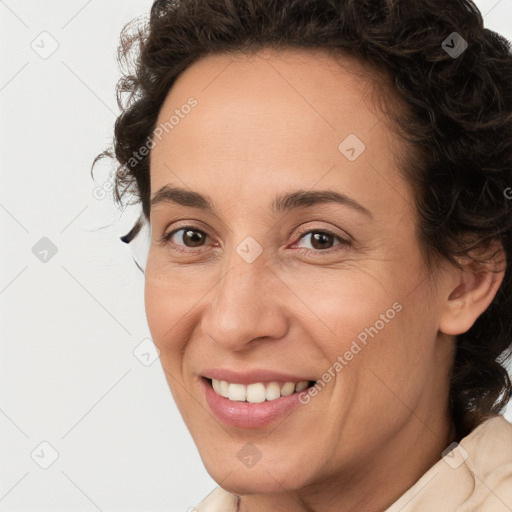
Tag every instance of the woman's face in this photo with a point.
(314, 287)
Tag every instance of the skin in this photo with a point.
(264, 125)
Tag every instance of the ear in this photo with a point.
(470, 291)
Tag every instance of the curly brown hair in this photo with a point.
(457, 118)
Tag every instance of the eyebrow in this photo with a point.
(283, 203)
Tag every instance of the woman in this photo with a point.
(328, 276)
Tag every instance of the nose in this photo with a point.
(245, 305)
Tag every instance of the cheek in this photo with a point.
(170, 293)
(394, 355)
(373, 325)
(166, 311)
(342, 304)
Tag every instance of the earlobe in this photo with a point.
(474, 290)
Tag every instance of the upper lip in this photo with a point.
(251, 376)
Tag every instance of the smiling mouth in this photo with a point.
(257, 392)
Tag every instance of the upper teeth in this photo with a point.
(258, 392)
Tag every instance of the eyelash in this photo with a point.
(343, 241)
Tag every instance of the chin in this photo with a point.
(255, 483)
(264, 477)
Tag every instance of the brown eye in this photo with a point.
(190, 237)
(322, 240)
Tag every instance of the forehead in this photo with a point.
(270, 90)
(269, 117)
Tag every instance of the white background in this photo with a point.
(68, 327)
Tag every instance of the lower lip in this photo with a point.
(245, 414)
